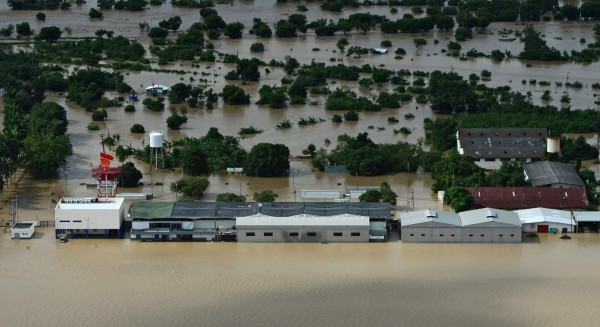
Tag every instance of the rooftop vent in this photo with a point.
(430, 214)
(491, 214)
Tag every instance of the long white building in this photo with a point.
(89, 216)
(345, 228)
(544, 220)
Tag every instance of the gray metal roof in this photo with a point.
(429, 218)
(503, 142)
(302, 220)
(541, 215)
(488, 217)
(544, 173)
(586, 216)
(199, 210)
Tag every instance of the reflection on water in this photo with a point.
(101, 282)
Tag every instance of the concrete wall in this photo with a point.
(89, 218)
(534, 227)
(431, 235)
(491, 235)
(277, 234)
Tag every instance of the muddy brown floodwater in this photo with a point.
(37, 194)
(99, 282)
(124, 283)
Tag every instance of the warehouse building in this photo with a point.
(489, 225)
(206, 221)
(552, 174)
(542, 220)
(428, 226)
(345, 228)
(529, 197)
(488, 147)
(179, 221)
(89, 216)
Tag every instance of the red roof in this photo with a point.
(529, 197)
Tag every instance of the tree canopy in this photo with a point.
(268, 160)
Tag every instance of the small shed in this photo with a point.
(489, 225)
(158, 89)
(544, 220)
(22, 230)
(428, 226)
(342, 228)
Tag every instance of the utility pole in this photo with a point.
(102, 141)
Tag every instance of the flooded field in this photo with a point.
(99, 282)
(37, 195)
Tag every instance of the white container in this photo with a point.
(156, 140)
(553, 145)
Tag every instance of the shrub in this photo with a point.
(137, 128)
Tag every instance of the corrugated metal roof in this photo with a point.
(489, 217)
(529, 197)
(303, 220)
(429, 216)
(586, 216)
(504, 143)
(374, 210)
(150, 210)
(541, 215)
(544, 173)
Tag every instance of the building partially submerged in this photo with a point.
(489, 225)
(344, 228)
(490, 146)
(428, 226)
(552, 174)
(89, 216)
(22, 230)
(529, 197)
(206, 221)
(544, 220)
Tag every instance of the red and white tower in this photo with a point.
(106, 176)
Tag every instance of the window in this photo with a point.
(441, 235)
(268, 234)
(76, 221)
(294, 234)
(512, 234)
(64, 221)
(470, 235)
(250, 234)
(311, 234)
(451, 235)
(500, 235)
(482, 235)
(337, 234)
(355, 234)
(422, 234)
(412, 234)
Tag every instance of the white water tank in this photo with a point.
(553, 145)
(156, 139)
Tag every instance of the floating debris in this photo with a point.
(565, 237)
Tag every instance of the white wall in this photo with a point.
(533, 227)
(89, 218)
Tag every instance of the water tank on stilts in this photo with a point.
(156, 149)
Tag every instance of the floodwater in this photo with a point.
(37, 195)
(99, 282)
